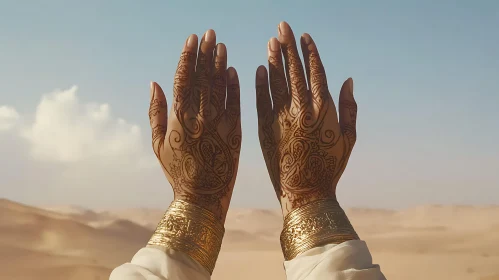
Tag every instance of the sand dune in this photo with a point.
(70, 242)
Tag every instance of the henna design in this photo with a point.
(277, 79)
(296, 79)
(202, 153)
(349, 129)
(318, 80)
(303, 146)
(306, 167)
(158, 133)
(182, 85)
(233, 116)
(219, 84)
(202, 88)
(304, 161)
(156, 107)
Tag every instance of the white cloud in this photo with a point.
(8, 118)
(65, 130)
(69, 151)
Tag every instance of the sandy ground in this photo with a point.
(427, 242)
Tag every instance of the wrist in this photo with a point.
(217, 206)
(315, 224)
(190, 229)
(291, 202)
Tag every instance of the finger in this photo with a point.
(263, 102)
(294, 69)
(203, 70)
(219, 87)
(233, 110)
(233, 94)
(348, 112)
(265, 119)
(264, 109)
(315, 73)
(278, 85)
(158, 117)
(184, 76)
(306, 60)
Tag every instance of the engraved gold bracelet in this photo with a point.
(316, 224)
(192, 230)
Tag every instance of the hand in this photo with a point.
(305, 148)
(198, 146)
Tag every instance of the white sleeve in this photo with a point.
(157, 263)
(349, 260)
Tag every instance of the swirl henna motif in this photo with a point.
(199, 151)
(306, 167)
(304, 145)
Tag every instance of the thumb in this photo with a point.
(348, 112)
(158, 117)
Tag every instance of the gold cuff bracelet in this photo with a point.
(192, 230)
(315, 224)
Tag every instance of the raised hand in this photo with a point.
(305, 147)
(198, 146)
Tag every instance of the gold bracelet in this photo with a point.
(315, 224)
(192, 230)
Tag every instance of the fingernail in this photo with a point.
(260, 72)
(192, 41)
(274, 44)
(209, 36)
(232, 73)
(152, 89)
(284, 28)
(220, 50)
(306, 39)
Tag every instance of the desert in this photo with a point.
(425, 242)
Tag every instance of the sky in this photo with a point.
(74, 96)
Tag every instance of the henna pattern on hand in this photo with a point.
(349, 129)
(201, 150)
(303, 145)
(302, 162)
(156, 107)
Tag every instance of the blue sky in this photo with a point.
(425, 75)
